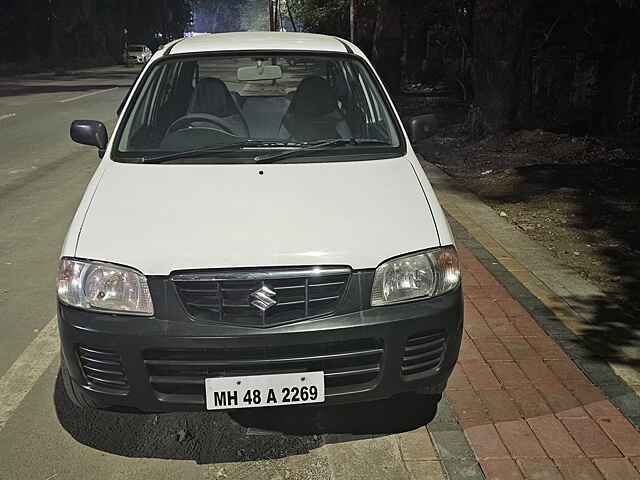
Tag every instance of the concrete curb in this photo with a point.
(449, 440)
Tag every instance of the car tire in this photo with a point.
(74, 393)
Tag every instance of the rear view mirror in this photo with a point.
(259, 72)
(421, 127)
(89, 132)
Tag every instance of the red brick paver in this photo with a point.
(558, 397)
(468, 408)
(623, 434)
(526, 408)
(492, 350)
(458, 380)
(554, 437)
(579, 469)
(501, 469)
(617, 469)
(547, 348)
(478, 329)
(479, 374)
(500, 405)
(529, 400)
(520, 440)
(485, 441)
(590, 437)
(537, 371)
(566, 371)
(509, 374)
(586, 393)
(602, 409)
(520, 348)
(539, 469)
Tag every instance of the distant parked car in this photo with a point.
(138, 54)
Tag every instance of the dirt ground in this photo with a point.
(579, 197)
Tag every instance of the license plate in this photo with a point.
(264, 390)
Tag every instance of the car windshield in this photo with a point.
(255, 102)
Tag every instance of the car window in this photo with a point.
(189, 103)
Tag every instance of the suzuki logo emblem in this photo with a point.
(263, 298)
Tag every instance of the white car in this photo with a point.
(138, 54)
(258, 233)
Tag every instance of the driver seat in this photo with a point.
(212, 98)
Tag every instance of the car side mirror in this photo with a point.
(421, 127)
(90, 132)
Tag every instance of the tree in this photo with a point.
(377, 29)
(322, 16)
(59, 32)
(500, 61)
(212, 16)
(387, 42)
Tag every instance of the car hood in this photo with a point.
(163, 218)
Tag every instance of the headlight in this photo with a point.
(418, 275)
(103, 287)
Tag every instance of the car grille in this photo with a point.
(423, 353)
(240, 298)
(103, 369)
(178, 375)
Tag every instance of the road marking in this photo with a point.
(8, 115)
(18, 381)
(84, 95)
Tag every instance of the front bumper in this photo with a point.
(155, 365)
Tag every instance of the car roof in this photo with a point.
(268, 41)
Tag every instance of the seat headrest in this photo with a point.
(314, 97)
(212, 97)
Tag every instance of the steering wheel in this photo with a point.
(187, 120)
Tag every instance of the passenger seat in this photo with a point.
(314, 113)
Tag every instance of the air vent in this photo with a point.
(423, 354)
(103, 369)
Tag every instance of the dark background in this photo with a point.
(569, 66)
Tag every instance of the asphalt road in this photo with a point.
(43, 436)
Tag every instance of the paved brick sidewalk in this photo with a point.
(568, 306)
(527, 410)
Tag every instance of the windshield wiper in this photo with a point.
(212, 149)
(319, 146)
